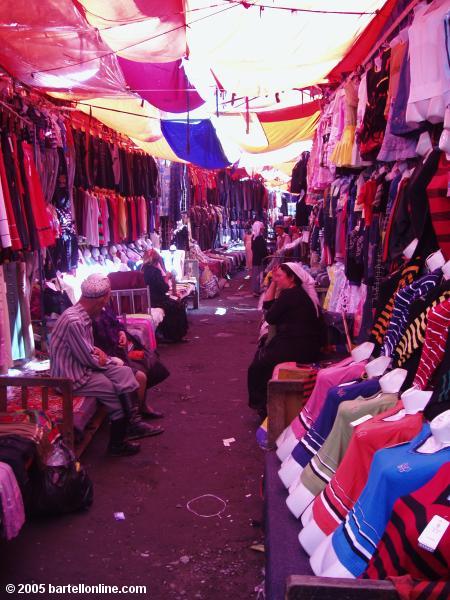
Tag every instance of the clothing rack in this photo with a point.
(404, 14)
(43, 322)
(15, 113)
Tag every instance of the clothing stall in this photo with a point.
(363, 465)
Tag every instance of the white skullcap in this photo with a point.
(95, 286)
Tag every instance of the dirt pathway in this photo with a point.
(162, 544)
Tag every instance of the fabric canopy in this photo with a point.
(49, 45)
(255, 52)
(196, 143)
(165, 85)
(127, 60)
(160, 148)
(285, 127)
(141, 30)
(144, 124)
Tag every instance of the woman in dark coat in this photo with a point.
(293, 310)
(174, 326)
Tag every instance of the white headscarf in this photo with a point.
(257, 228)
(307, 281)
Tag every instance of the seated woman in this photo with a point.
(110, 336)
(174, 326)
(293, 311)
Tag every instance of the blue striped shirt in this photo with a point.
(405, 297)
(72, 347)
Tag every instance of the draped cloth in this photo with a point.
(195, 142)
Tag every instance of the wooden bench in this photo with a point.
(285, 399)
(46, 384)
(309, 587)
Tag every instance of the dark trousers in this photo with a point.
(278, 350)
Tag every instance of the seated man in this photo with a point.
(93, 373)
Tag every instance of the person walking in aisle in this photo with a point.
(259, 253)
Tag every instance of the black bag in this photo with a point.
(149, 364)
(62, 486)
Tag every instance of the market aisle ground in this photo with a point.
(161, 544)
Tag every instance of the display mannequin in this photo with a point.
(424, 145)
(138, 247)
(123, 262)
(300, 497)
(87, 256)
(312, 535)
(95, 254)
(432, 445)
(350, 369)
(435, 260)
(116, 262)
(106, 259)
(291, 470)
(362, 352)
(440, 434)
(132, 254)
(408, 252)
(446, 270)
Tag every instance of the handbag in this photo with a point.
(146, 360)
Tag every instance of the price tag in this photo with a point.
(432, 534)
(361, 420)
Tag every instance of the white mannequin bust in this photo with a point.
(87, 255)
(440, 434)
(424, 145)
(376, 367)
(446, 270)
(408, 252)
(324, 561)
(95, 254)
(391, 382)
(414, 400)
(362, 352)
(113, 254)
(299, 498)
(104, 253)
(290, 470)
(311, 536)
(286, 444)
(435, 260)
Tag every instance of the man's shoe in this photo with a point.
(117, 445)
(152, 414)
(124, 449)
(139, 429)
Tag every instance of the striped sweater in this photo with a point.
(435, 342)
(403, 301)
(388, 291)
